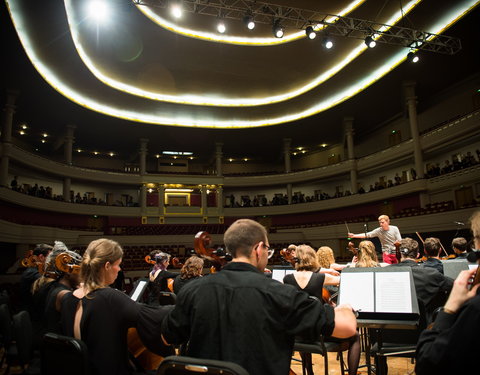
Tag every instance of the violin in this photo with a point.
(218, 257)
(354, 250)
(31, 260)
(289, 256)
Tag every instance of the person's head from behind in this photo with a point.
(459, 245)
(384, 222)
(247, 239)
(41, 252)
(409, 248)
(432, 247)
(475, 226)
(325, 257)
(306, 259)
(100, 264)
(162, 260)
(55, 270)
(367, 255)
(193, 267)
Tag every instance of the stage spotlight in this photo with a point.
(221, 27)
(413, 57)
(249, 22)
(311, 34)
(98, 10)
(327, 43)
(176, 10)
(278, 29)
(370, 42)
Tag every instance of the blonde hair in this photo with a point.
(98, 253)
(306, 259)
(325, 256)
(367, 256)
(384, 217)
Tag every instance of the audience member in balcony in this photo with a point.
(447, 168)
(14, 183)
(159, 276)
(367, 255)
(100, 316)
(398, 179)
(460, 247)
(191, 270)
(361, 190)
(451, 345)
(432, 248)
(389, 237)
(413, 173)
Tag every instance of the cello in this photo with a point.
(218, 257)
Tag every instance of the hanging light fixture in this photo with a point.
(311, 34)
(370, 42)
(249, 22)
(277, 29)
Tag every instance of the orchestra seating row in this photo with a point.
(166, 229)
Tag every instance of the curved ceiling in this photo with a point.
(140, 66)
(135, 69)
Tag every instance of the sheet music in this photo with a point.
(278, 275)
(393, 292)
(356, 289)
(141, 285)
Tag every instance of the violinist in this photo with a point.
(460, 247)
(388, 236)
(305, 278)
(31, 273)
(100, 316)
(241, 316)
(431, 286)
(191, 270)
(159, 276)
(326, 259)
(367, 255)
(451, 346)
(432, 250)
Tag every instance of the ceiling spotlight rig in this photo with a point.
(290, 18)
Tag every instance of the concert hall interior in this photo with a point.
(154, 129)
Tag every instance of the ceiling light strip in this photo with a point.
(205, 99)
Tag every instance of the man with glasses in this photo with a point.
(241, 316)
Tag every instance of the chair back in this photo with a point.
(167, 298)
(64, 355)
(23, 336)
(176, 365)
(5, 326)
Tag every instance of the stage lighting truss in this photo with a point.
(297, 18)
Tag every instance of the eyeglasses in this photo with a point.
(270, 251)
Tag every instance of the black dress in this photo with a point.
(314, 286)
(107, 315)
(160, 284)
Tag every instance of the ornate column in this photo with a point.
(67, 153)
(411, 100)
(143, 199)
(143, 155)
(203, 190)
(220, 200)
(9, 111)
(219, 157)
(349, 132)
(161, 199)
(288, 164)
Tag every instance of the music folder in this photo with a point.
(383, 293)
(279, 272)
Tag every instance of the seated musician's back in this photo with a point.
(239, 315)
